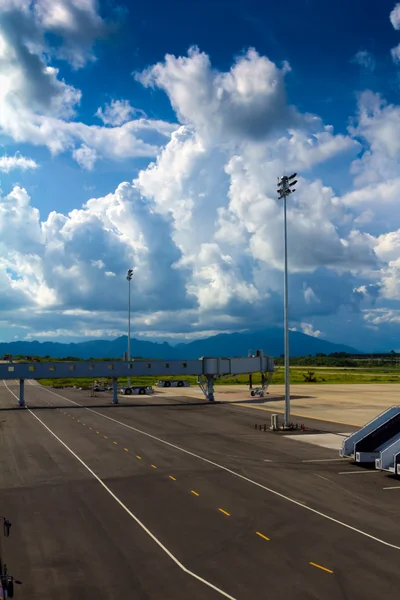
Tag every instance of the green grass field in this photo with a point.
(323, 375)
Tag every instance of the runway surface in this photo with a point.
(161, 497)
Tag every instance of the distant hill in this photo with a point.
(223, 344)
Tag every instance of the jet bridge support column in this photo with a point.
(115, 390)
(21, 401)
(210, 388)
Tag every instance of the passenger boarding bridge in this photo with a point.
(207, 370)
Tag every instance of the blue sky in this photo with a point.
(151, 136)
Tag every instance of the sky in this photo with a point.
(151, 135)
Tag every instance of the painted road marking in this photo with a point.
(234, 473)
(194, 493)
(357, 472)
(139, 457)
(98, 432)
(224, 512)
(322, 460)
(173, 478)
(78, 421)
(322, 477)
(126, 449)
(105, 437)
(115, 443)
(320, 567)
(264, 537)
(395, 487)
(136, 519)
(153, 467)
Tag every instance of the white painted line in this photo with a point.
(267, 460)
(126, 509)
(256, 483)
(395, 487)
(312, 460)
(321, 477)
(358, 472)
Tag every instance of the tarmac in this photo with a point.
(351, 404)
(170, 497)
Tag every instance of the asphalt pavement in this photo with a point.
(165, 497)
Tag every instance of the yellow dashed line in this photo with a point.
(173, 478)
(78, 421)
(126, 449)
(115, 443)
(153, 467)
(98, 432)
(194, 493)
(224, 512)
(90, 428)
(264, 537)
(73, 418)
(139, 457)
(105, 437)
(320, 567)
(84, 424)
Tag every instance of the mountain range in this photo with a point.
(224, 344)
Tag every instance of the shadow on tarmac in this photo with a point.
(202, 403)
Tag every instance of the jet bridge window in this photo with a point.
(52, 368)
(110, 367)
(72, 367)
(166, 365)
(31, 368)
(184, 365)
(11, 369)
(148, 366)
(91, 367)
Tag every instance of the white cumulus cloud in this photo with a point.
(246, 102)
(365, 59)
(201, 226)
(37, 106)
(395, 16)
(395, 20)
(117, 112)
(9, 163)
(85, 157)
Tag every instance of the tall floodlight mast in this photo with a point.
(129, 279)
(285, 188)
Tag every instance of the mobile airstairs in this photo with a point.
(377, 442)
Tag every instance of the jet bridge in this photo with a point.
(352, 444)
(207, 369)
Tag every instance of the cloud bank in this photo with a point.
(201, 225)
